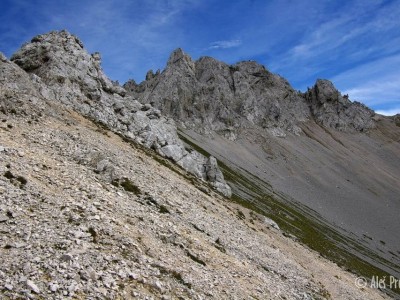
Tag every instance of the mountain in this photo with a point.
(317, 163)
(226, 99)
(59, 60)
(103, 197)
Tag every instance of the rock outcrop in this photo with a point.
(62, 70)
(209, 95)
(331, 109)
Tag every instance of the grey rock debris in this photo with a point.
(71, 234)
(32, 286)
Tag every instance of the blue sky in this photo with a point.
(356, 44)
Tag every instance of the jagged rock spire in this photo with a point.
(209, 95)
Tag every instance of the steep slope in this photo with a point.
(68, 232)
(64, 71)
(317, 150)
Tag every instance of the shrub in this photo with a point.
(129, 186)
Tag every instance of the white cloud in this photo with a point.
(326, 37)
(374, 84)
(376, 92)
(133, 36)
(360, 32)
(348, 27)
(389, 112)
(225, 44)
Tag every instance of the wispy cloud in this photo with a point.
(326, 37)
(375, 93)
(375, 83)
(226, 44)
(360, 32)
(357, 22)
(389, 112)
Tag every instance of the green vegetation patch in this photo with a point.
(129, 186)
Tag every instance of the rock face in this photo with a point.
(331, 109)
(62, 70)
(209, 95)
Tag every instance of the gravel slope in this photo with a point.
(68, 232)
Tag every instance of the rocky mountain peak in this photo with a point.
(3, 58)
(64, 71)
(178, 58)
(331, 109)
(60, 59)
(326, 92)
(150, 75)
(252, 67)
(208, 61)
(209, 95)
(45, 46)
(175, 56)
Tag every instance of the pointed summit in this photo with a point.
(175, 56)
(180, 58)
